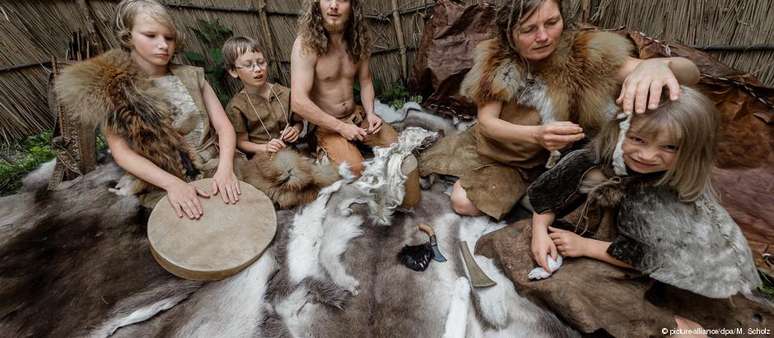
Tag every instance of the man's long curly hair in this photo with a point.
(356, 33)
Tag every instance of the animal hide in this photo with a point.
(332, 270)
(76, 262)
(287, 177)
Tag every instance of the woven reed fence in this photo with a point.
(34, 32)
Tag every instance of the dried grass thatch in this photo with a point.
(32, 32)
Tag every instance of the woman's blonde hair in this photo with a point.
(692, 121)
(128, 10)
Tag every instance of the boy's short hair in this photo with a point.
(234, 47)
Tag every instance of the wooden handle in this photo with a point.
(426, 229)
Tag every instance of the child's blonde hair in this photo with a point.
(235, 46)
(128, 10)
(692, 122)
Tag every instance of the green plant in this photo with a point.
(212, 35)
(20, 159)
(396, 95)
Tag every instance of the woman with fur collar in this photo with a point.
(541, 88)
(163, 122)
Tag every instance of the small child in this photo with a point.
(655, 237)
(265, 127)
(260, 112)
(162, 121)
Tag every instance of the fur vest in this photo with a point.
(112, 92)
(694, 246)
(576, 83)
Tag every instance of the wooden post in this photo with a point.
(91, 26)
(268, 38)
(585, 9)
(401, 43)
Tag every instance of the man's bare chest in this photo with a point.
(334, 67)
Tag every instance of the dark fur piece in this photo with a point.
(109, 90)
(287, 177)
(77, 259)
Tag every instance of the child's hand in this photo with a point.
(541, 247)
(183, 197)
(290, 134)
(275, 145)
(568, 243)
(227, 184)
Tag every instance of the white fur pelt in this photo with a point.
(382, 182)
(392, 300)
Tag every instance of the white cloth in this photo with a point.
(540, 273)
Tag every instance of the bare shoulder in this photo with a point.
(301, 51)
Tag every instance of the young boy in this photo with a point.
(260, 112)
(264, 126)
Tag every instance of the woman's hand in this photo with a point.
(226, 183)
(184, 198)
(541, 247)
(568, 243)
(558, 135)
(290, 134)
(643, 86)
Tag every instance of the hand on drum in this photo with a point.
(558, 135)
(184, 199)
(642, 88)
(226, 183)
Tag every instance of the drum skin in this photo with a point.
(225, 240)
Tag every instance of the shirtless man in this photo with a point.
(332, 50)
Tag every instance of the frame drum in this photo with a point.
(225, 240)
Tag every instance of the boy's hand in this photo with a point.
(568, 243)
(275, 145)
(290, 134)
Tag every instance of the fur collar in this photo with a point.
(577, 82)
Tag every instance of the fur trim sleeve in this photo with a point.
(494, 76)
(557, 189)
(693, 246)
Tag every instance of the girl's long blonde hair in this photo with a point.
(128, 10)
(692, 121)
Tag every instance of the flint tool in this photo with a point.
(477, 276)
